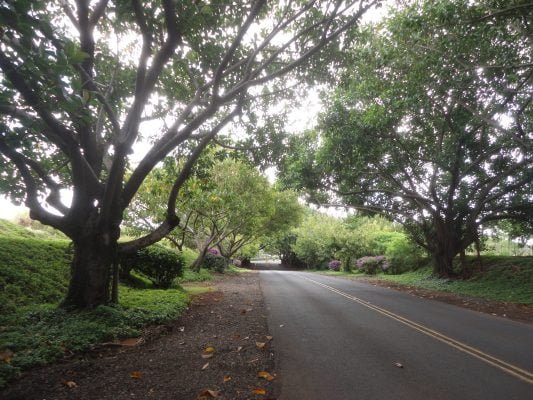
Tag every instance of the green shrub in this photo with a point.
(215, 263)
(158, 263)
(402, 255)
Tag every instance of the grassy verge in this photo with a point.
(508, 279)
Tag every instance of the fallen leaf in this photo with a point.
(259, 391)
(136, 375)
(130, 342)
(399, 365)
(243, 311)
(239, 348)
(269, 337)
(70, 384)
(6, 356)
(260, 345)
(281, 326)
(208, 394)
(265, 375)
(181, 329)
(227, 378)
(205, 366)
(208, 352)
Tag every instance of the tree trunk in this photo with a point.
(445, 245)
(91, 269)
(197, 264)
(443, 264)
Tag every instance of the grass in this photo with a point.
(507, 279)
(502, 278)
(191, 276)
(32, 271)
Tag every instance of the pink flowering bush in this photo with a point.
(213, 251)
(334, 265)
(371, 265)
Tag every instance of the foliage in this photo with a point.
(317, 239)
(334, 265)
(226, 205)
(80, 83)
(40, 335)
(429, 124)
(190, 275)
(402, 255)
(501, 279)
(372, 264)
(189, 256)
(216, 263)
(160, 264)
(321, 238)
(31, 271)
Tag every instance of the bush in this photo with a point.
(215, 263)
(158, 263)
(334, 265)
(370, 265)
(402, 255)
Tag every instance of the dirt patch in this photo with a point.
(168, 361)
(520, 312)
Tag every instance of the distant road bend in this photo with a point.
(346, 340)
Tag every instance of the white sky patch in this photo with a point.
(8, 210)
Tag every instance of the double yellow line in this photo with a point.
(487, 358)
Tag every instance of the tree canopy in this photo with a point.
(432, 123)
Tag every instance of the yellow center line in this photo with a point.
(487, 358)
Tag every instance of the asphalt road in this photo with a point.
(345, 340)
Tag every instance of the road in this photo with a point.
(346, 340)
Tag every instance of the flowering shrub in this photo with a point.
(370, 265)
(334, 265)
(214, 251)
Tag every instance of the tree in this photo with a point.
(318, 238)
(225, 203)
(431, 126)
(79, 80)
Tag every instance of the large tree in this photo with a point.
(80, 78)
(432, 125)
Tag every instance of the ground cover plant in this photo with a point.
(34, 278)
